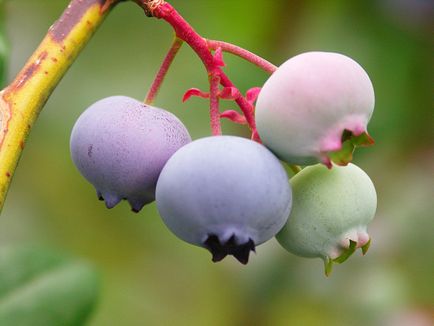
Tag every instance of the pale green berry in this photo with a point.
(330, 213)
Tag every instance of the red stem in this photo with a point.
(162, 72)
(243, 53)
(245, 107)
(214, 81)
(185, 32)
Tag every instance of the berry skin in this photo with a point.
(224, 193)
(120, 146)
(315, 108)
(330, 213)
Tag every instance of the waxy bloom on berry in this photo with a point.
(315, 108)
(224, 193)
(120, 146)
(330, 213)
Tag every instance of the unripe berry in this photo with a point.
(330, 213)
(225, 193)
(120, 146)
(313, 103)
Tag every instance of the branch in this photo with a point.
(23, 99)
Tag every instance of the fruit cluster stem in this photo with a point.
(203, 47)
(244, 54)
(162, 72)
(214, 82)
(200, 45)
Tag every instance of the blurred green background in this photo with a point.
(152, 278)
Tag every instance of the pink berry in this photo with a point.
(315, 108)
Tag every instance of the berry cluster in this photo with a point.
(229, 194)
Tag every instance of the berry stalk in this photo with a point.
(244, 54)
(162, 72)
(184, 31)
(214, 81)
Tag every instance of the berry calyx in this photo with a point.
(240, 251)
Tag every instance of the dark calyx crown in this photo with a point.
(221, 250)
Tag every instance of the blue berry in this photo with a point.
(224, 193)
(120, 146)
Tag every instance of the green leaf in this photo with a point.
(39, 287)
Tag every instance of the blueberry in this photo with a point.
(120, 146)
(315, 108)
(224, 193)
(330, 213)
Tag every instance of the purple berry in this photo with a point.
(224, 193)
(315, 108)
(120, 146)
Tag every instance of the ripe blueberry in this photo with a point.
(224, 193)
(120, 146)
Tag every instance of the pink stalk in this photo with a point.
(185, 32)
(162, 72)
(214, 81)
(244, 54)
(245, 107)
